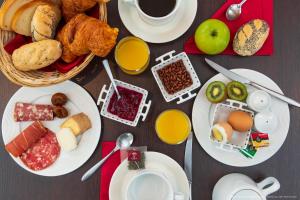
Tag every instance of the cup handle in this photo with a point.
(272, 183)
(178, 196)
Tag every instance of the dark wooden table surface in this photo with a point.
(283, 67)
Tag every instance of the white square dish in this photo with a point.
(184, 94)
(142, 110)
(239, 139)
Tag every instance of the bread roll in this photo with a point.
(251, 37)
(44, 22)
(78, 123)
(36, 55)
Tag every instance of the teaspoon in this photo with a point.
(234, 11)
(109, 73)
(124, 141)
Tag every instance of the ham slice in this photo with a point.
(26, 139)
(33, 112)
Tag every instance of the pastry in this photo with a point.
(84, 34)
(251, 37)
(44, 22)
(70, 8)
(78, 123)
(36, 55)
(66, 139)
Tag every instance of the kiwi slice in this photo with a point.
(237, 91)
(216, 92)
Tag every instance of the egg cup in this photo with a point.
(239, 140)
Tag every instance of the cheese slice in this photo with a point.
(66, 139)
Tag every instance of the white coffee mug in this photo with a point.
(155, 20)
(150, 185)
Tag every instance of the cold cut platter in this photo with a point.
(47, 132)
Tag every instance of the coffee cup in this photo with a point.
(154, 20)
(150, 185)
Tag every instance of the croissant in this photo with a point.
(84, 34)
(70, 8)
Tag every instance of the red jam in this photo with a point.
(126, 107)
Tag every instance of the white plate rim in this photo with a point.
(239, 161)
(172, 34)
(95, 127)
(118, 176)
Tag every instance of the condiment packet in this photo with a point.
(260, 140)
(136, 157)
(249, 151)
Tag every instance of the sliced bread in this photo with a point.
(8, 10)
(21, 22)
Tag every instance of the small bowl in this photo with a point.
(185, 94)
(239, 139)
(142, 110)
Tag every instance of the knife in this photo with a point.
(236, 77)
(188, 161)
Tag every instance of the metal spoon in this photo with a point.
(109, 73)
(234, 11)
(124, 141)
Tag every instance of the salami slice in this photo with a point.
(26, 139)
(43, 153)
(33, 112)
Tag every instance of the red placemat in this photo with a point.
(254, 9)
(108, 168)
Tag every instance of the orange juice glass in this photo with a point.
(132, 55)
(173, 126)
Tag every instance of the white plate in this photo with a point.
(202, 112)
(154, 161)
(158, 34)
(79, 101)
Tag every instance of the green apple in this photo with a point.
(212, 36)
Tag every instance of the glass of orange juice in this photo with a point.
(173, 126)
(132, 55)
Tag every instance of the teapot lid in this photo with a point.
(246, 195)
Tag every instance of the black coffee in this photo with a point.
(157, 8)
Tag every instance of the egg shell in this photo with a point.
(225, 129)
(240, 121)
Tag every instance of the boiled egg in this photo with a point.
(222, 132)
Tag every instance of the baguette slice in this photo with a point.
(21, 22)
(8, 10)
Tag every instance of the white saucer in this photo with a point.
(154, 161)
(79, 101)
(158, 34)
(202, 114)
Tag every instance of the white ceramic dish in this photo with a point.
(143, 108)
(239, 140)
(78, 101)
(201, 123)
(185, 94)
(154, 161)
(158, 34)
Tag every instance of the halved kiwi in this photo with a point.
(216, 92)
(237, 91)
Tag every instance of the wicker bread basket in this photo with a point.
(39, 78)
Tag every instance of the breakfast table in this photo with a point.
(282, 67)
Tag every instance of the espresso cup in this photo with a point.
(150, 185)
(154, 20)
